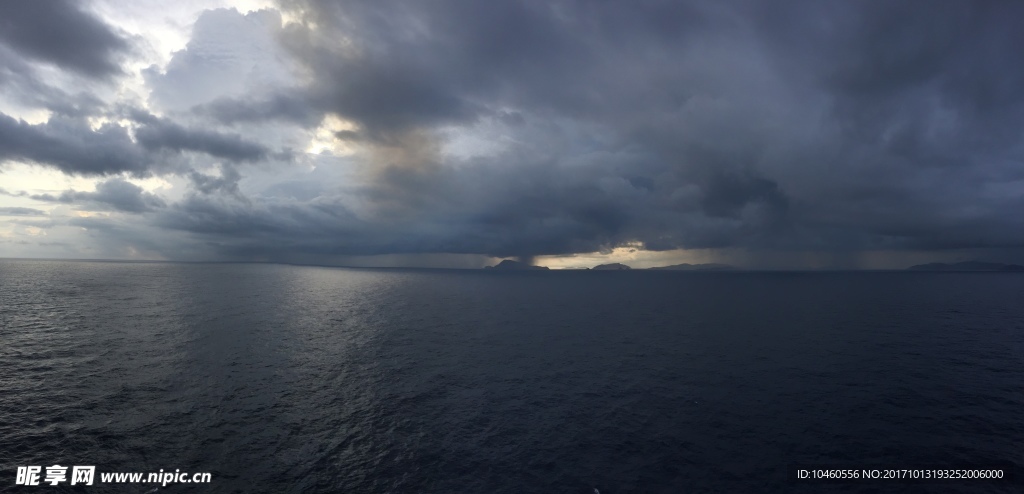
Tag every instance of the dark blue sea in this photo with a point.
(284, 379)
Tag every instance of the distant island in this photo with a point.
(510, 265)
(967, 266)
(696, 267)
(615, 266)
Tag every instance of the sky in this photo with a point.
(567, 133)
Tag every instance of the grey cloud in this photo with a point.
(61, 32)
(73, 146)
(22, 83)
(124, 238)
(115, 194)
(49, 222)
(156, 134)
(16, 211)
(797, 126)
(43, 244)
(70, 145)
(281, 106)
(225, 185)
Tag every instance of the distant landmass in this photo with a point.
(967, 266)
(615, 266)
(696, 267)
(510, 265)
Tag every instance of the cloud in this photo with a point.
(17, 211)
(225, 185)
(687, 124)
(23, 85)
(72, 146)
(62, 33)
(113, 194)
(284, 106)
(156, 134)
(229, 55)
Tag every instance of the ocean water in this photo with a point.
(281, 378)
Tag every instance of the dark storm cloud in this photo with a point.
(889, 66)
(61, 32)
(411, 66)
(501, 210)
(113, 194)
(793, 125)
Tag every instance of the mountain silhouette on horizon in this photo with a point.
(966, 266)
(510, 265)
(696, 267)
